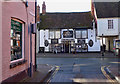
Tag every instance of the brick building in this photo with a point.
(18, 44)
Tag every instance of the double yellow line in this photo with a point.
(56, 70)
(106, 75)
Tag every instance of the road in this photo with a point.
(79, 70)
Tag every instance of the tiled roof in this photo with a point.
(107, 9)
(67, 20)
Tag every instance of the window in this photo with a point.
(51, 34)
(54, 34)
(84, 34)
(54, 41)
(57, 34)
(110, 24)
(81, 33)
(78, 34)
(16, 40)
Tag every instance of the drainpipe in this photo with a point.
(35, 33)
(30, 51)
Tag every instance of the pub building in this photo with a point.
(68, 32)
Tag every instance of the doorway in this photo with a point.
(67, 47)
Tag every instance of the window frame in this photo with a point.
(23, 41)
(110, 24)
(81, 30)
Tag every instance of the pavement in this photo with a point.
(114, 71)
(43, 70)
(77, 55)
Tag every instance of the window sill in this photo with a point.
(12, 65)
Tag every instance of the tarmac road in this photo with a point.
(79, 70)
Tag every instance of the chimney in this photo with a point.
(38, 13)
(43, 8)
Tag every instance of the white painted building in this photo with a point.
(107, 22)
(69, 32)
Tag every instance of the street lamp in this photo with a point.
(102, 46)
(44, 42)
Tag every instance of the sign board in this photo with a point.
(46, 43)
(68, 34)
(90, 43)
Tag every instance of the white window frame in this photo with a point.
(51, 31)
(110, 24)
(23, 38)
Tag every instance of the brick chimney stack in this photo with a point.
(38, 13)
(43, 8)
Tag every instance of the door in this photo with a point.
(67, 47)
(109, 46)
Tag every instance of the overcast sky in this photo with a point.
(66, 5)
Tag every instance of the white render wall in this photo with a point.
(38, 41)
(96, 43)
(43, 38)
(119, 27)
(102, 25)
(91, 36)
(46, 38)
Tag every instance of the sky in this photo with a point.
(65, 5)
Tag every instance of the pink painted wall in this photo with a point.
(0, 41)
(17, 10)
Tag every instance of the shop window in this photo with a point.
(54, 41)
(16, 40)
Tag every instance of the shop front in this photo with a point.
(68, 45)
(117, 47)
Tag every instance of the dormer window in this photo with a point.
(110, 24)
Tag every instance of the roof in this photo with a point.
(67, 20)
(107, 9)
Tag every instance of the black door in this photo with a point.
(109, 46)
(67, 47)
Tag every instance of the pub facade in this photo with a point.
(68, 33)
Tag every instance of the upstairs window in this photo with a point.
(82, 34)
(110, 24)
(54, 34)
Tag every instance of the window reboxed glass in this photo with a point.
(84, 33)
(51, 34)
(16, 40)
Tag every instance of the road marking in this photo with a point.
(52, 76)
(106, 75)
